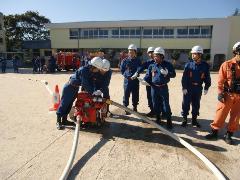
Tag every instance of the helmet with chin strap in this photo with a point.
(197, 49)
(159, 50)
(236, 48)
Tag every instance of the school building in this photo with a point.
(215, 35)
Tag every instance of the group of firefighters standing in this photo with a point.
(97, 74)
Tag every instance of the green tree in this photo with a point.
(26, 26)
(175, 55)
(206, 57)
(189, 55)
(236, 12)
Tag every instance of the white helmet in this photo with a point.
(133, 47)
(159, 50)
(106, 65)
(96, 62)
(197, 49)
(236, 45)
(150, 49)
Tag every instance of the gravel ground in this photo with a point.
(125, 148)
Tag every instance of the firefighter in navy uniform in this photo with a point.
(103, 80)
(196, 72)
(158, 75)
(144, 66)
(129, 67)
(228, 97)
(82, 77)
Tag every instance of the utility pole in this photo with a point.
(140, 43)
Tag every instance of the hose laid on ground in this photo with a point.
(66, 171)
(73, 151)
(208, 163)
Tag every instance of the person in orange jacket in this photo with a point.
(228, 97)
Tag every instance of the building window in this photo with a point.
(132, 33)
(103, 33)
(115, 33)
(1, 40)
(182, 32)
(90, 33)
(73, 33)
(0, 26)
(194, 31)
(124, 33)
(168, 33)
(206, 31)
(157, 32)
(95, 33)
(147, 33)
(138, 33)
(84, 34)
(135, 33)
(129, 32)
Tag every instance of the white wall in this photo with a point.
(220, 37)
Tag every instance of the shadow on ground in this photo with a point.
(112, 130)
(189, 130)
(118, 126)
(205, 127)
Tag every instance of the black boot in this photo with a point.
(169, 123)
(65, 122)
(59, 123)
(213, 135)
(195, 122)
(126, 112)
(184, 123)
(228, 138)
(158, 119)
(135, 108)
(150, 114)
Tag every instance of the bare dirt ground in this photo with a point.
(125, 148)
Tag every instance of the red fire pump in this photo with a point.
(92, 109)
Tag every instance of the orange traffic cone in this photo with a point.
(56, 99)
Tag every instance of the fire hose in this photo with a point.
(73, 151)
(67, 169)
(207, 163)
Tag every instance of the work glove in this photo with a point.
(143, 82)
(205, 92)
(97, 93)
(184, 91)
(134, 76)
(221, 98)
(164, 71)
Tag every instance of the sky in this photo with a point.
(106, 10)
